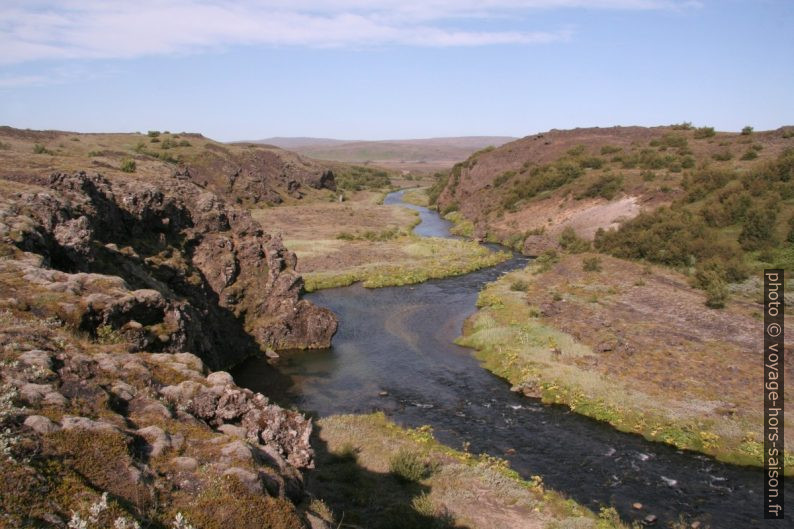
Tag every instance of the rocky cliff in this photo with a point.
(119, 296)
(164, 262)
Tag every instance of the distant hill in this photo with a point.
(423, 155)
(722, 202)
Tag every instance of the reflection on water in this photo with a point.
(399, 340)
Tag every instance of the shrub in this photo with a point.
(749, 155)
(358, 178)
(610, 149)
(746, 131)
(723, 156)
(571, 242)
(758, 229)
(591, 162)
(519, 285)
(686, 125)
(704, 132)
(153, 133)
(406, 466)
(4, 146)
(154, 140)
(716, 293)
(607, 186)
(345, 236)
(128, 165)
(40, 149)
(674, 141)
(545, 261)
(591, 264)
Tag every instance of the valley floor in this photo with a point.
(338, 244)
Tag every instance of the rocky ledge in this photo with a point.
(155, 432)
(167, 264)
(118, 297)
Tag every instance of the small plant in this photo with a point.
(4, 146)
(180, 522)
(105, 334)
(723, 156)
(128, 165)
(716, 294)
(155, 140)
(345, 236)
(704, 132)
(153, 133)
(751, 154)
(572, 242)
(545, 261)
(746, 131)
(591, 264)
(686, 125)
(519, 285)
(94, 154)
(41, 149)
(406, 466)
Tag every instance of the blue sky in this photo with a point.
(383, 69)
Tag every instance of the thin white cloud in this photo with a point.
(93, 29)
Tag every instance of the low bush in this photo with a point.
(407, 466)
(128, 165)
(610, 149)
(571, 242)
(704, 132)
(591, 264)
(746, 131)
(519, 285)
(607, 186)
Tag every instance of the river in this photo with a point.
(399, 340)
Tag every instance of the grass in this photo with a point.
(343, 243)
(410, 260)
(417, 196)
(404, 478)
(461, 225)
(515, 342)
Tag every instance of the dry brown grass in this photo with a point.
(338, 244)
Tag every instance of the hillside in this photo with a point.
(246, 174)
(418, 155)
(526, 193)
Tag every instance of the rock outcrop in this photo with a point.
(259, 175)
(156, 432)
(165, 263)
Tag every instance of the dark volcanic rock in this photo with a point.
(196, 275)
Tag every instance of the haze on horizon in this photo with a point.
(384, 69)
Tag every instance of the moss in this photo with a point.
(226, 503)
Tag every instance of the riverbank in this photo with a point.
(372, 473)
(630, 345)
(338, 244)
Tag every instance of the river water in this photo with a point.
(399, 340)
